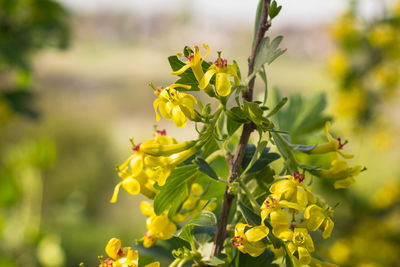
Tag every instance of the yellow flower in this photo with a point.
(174, 105)
(158, 226)
(194, 62)
(122, 257)
(301, 242)
(333, 145)
(221, 70)
(279, 221)
(383, 35)
(154, 148)
(250, 240)
(321, 218)
(351, 102)
(338, 64)
(134, 184)
(163, 166)
(341, 172)
(293, 191)
(341, 251)
(388, 195)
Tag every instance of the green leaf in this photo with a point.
(301, 116)
(248, 214)
(278, 106)
(265, 260)
(263, 75)
(263, 161)
(303, 148)
(285, 150)
(232, 126)
(214, 261)
(255, 113)
(274, 10)
(257, 20)
(237, 114)
(248, 154)
(206, 168)
(175, 191)
(267, 52)
(205, 218)
(288, 261)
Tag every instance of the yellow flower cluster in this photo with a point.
(177, 106)
(122, 256)
(367, 61)
(150, 163)
(289, 196)
(340, 170)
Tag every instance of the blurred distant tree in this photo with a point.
(366, 64)
(26, 26)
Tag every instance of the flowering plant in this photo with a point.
(238, 194)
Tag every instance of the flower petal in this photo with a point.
(207, 77)
(178, 117)
(257, 233)
(115, 194)
(222, 84)
(131, 186)
(181, 70)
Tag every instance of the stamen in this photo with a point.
(270, 203)
(163, 132)
(190, 58)
(158, 90)
(341, 145)
(299, 177)
(107, 263)
(237, 241)
(148, 236)
(137, 147)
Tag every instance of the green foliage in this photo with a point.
(301, 116)
(267, 52)
(265, 259)
(175, 191)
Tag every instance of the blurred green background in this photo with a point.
(73, 90)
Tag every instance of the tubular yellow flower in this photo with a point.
(122, 257)
(194, 62)
(333, 145)
(293, 191)
(174, 105)
(155, 149)
(163, 166)
(158, 226)
(279, 221)
(321, 218)
(135, 184)
(250, 240)
(221, 70)
(301, 242)
(341, 172)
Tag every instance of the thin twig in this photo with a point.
(244, 138)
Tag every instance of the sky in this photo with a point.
(306, 12)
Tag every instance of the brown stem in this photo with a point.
(244, 138)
